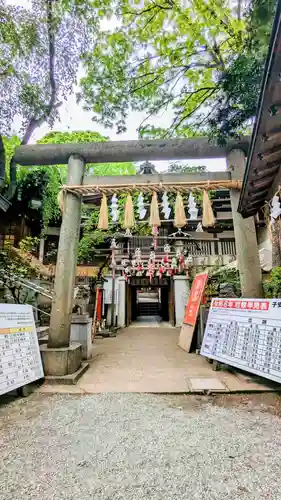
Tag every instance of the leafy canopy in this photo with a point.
(239, 84)
(164, 55)
(200, 60)
(41, 46)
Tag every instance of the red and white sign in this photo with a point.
(191, 311)
(242, 304)
(194, 300)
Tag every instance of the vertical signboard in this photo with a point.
(191, 311)
(20, 360)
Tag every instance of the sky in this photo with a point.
(72, 117)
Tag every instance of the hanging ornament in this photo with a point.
(141, 210)
(180, 218)
(193, 211)
(113, 245)
(166, 210)
(161, 269)
(167, 250)
(275, 209)
(199, 228)
(138, 254)
(127, 272)
(150, 269)
(129, 218)
(152, 256)
(114, 208)
(191, 201)
(154, 219)
(208, 219)
(103, 217)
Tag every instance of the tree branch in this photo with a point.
(149, 9)
(36, 122)
(206, 96)
(239, 9)
(145, 84)
(155, 110)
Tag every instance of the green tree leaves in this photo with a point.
(239, 84)
(199, 60)
(40, 52)
(163, 55)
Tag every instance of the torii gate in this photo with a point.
(77, 155)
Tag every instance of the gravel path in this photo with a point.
(131, 446)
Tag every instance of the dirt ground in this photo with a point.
(258, 402)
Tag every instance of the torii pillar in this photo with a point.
(247, 251)
(60, 358)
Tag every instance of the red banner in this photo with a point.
(99, 304)
(194, 300)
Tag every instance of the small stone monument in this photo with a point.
(227, 290)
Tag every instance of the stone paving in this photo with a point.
(148, 359)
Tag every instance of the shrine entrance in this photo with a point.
(148, 299)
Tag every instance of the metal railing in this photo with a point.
(223, 246)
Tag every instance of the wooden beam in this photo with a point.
(123, 151)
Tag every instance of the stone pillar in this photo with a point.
(60, 322)
(181, 291)
(248, 261)
(81, 332)
(121, 317)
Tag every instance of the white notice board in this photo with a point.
(20, 360)
(245, 333)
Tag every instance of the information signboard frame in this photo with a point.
(246, 334)
(20, 359)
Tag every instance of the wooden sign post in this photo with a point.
(191, 311)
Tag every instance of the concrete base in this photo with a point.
(61, 361)
(71, 379)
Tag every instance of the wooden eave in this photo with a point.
(264, 158)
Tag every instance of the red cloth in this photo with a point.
(99, 304)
